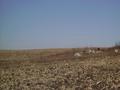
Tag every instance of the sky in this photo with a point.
(32, 24)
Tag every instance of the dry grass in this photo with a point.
(61, 72)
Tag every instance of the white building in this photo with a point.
(116, 50)
(77, 54)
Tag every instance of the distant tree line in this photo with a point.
(117, 44)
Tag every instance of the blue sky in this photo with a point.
(28, 24)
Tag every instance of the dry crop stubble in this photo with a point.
(61, 73)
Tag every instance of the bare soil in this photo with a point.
(58, 69)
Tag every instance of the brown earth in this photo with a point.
(58, 69)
